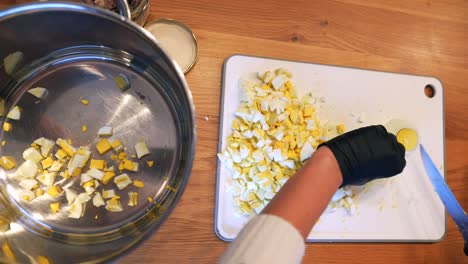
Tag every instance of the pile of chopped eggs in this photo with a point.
(274, 132)
(47, 161)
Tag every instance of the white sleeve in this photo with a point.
(266, 239)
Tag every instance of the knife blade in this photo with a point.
(445, 194)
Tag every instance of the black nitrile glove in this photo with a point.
(366, 154)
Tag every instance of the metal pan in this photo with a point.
(75, 51)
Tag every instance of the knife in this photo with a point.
(445, 194)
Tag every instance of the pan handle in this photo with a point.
(124, 9)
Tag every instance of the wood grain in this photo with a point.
(418, 37)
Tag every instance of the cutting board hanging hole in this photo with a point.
(429, 91)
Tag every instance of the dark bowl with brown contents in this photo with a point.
(139, 8)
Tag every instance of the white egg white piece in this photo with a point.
(45, 144)
(70, 195)
(78, 161)
(107, 194)
(85, 178)
(95, 173)
(105, 131)
(47, 179)
(339, 194)
(89, 190)
(122, 181)
(15, 113)
(39, 92)
(117, 148)
(279, 81)
(98, 200)
(27, 184)
(27, 170)
(306, 151)
(56, 166)
(32, 154)
(114, 207)
(141, 149)
(26, 195)
(13, 61)
(83, 197)
(76, 209)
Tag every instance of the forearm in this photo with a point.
(305, 196)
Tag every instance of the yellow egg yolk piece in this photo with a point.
(408, 138)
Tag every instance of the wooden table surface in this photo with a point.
(417, 37)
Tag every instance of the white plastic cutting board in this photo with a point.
(404, 208)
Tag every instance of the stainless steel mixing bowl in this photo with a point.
(75, 51)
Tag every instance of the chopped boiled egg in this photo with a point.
(97, 164)
(56, 166)
(54, 207)
(98, 200)
(13, 61)
(27, 170)
(132, 199)
(340, 128)
(60, 154)
(15, 113)
(107, 194)
(78, 161)
(47, 163)
(7, 162)
(122, 181)
(47, 178)
(45, 144)
(150, 163)
(7, 127)
(111, 168)
(105, 131)
(26, 195)
(89, 190)
(54, 191)
(122, 82)
(103, 146)
(67, 147)
(138, 184)
(76, 209)
(130, 165)
(28, 184)
(116, 144)
(89, 183)
(273, 133)
(96, 174)
(114, 205)
(70, 195)
(39, 92)
(108, 176)
(39, 192)
(85, 178)
(141, 149)
(83, 197)
(306, 151)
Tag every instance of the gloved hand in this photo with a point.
(366, 154)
